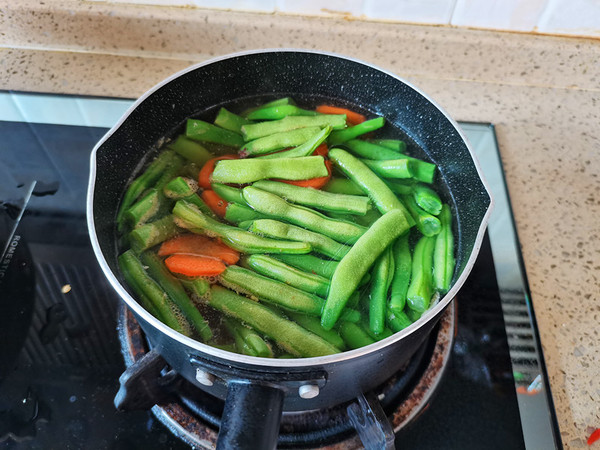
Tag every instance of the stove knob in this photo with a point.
(308, 391)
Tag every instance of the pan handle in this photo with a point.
(371, 423)
(251, 417)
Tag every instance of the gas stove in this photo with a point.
(479, 382)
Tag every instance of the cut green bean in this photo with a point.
(315, 198)
(420, 288)
(279, 112)
(180, 187)
(153, 233)
(343, 186)
(243, 241)
(313, 324)
(427, 199)
(247, 341)
(287, 334)
(270, 290)
(151, 293)
(393, 144)
(383, 198)
(369, 150)
(236, 213)
(197, 201)
(258, 130)
(229, 194)
(354, 336)
(397, 321)
(401, 186)
(272, 268)
(275, 206)
(244, 171)
(340, 136)
(357, 262)
(278, 141)
(391, 168)
(402, 272)
(384, 333)
(427, 224)
(305, 149)
(157, 270)
(230, 121)
(443, 256)
(276, 102)
(199, 130)
(148, 207)
(311, 264)
(413, 315)
(196, 286)
(383, 271)
(318, 242)
(190, 150)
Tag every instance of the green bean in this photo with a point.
(354, 336)
(230, 121)
(343, 186)
(402, 271)
(305, 149)
(357, 262)
(427, 199)
(154, 298)
(278, 141)
(195, 200)
(180, 187)
(258, 130)
(413, 315)
(145, 181)
(401, 186)
(287, 334)
(384, 333)
(427, 224)
(196, 286)
(243, 241)
(382, 276)
(420, 288)
(157, 270)
(279, 112)
(199, 130)
(236, 213)
(393, 144)
(153, 233)
(149, 206)
(272, 268)
(383, 198)
(313, 324)
(271, 291)
(229, 194)
(190, 150)
(341, 136)
(369, 150)
(319, 242)
(326, 201)
(391, 168)
(273, 205)
(247, 341)
(397, 321)
(243, 171)
(310, 263)
(276, 102)
(443, 256)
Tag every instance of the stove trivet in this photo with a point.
(194, 416)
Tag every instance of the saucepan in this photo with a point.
(256, 390)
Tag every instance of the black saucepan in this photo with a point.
(309, 77)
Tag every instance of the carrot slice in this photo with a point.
(198, 244)
(352, 117)
(207, 170)
(214, 202)
(316, 183)
(321, 150)
(194, 265)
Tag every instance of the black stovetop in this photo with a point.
(60, 358)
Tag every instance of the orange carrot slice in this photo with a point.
(214, 202)
(194, 265)
(352, 117)
(321, 150)
(198, 244)
(207, 170)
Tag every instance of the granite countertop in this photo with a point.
(541, 92)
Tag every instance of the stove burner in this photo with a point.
(194, 415)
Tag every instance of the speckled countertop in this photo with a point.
(541, 92)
